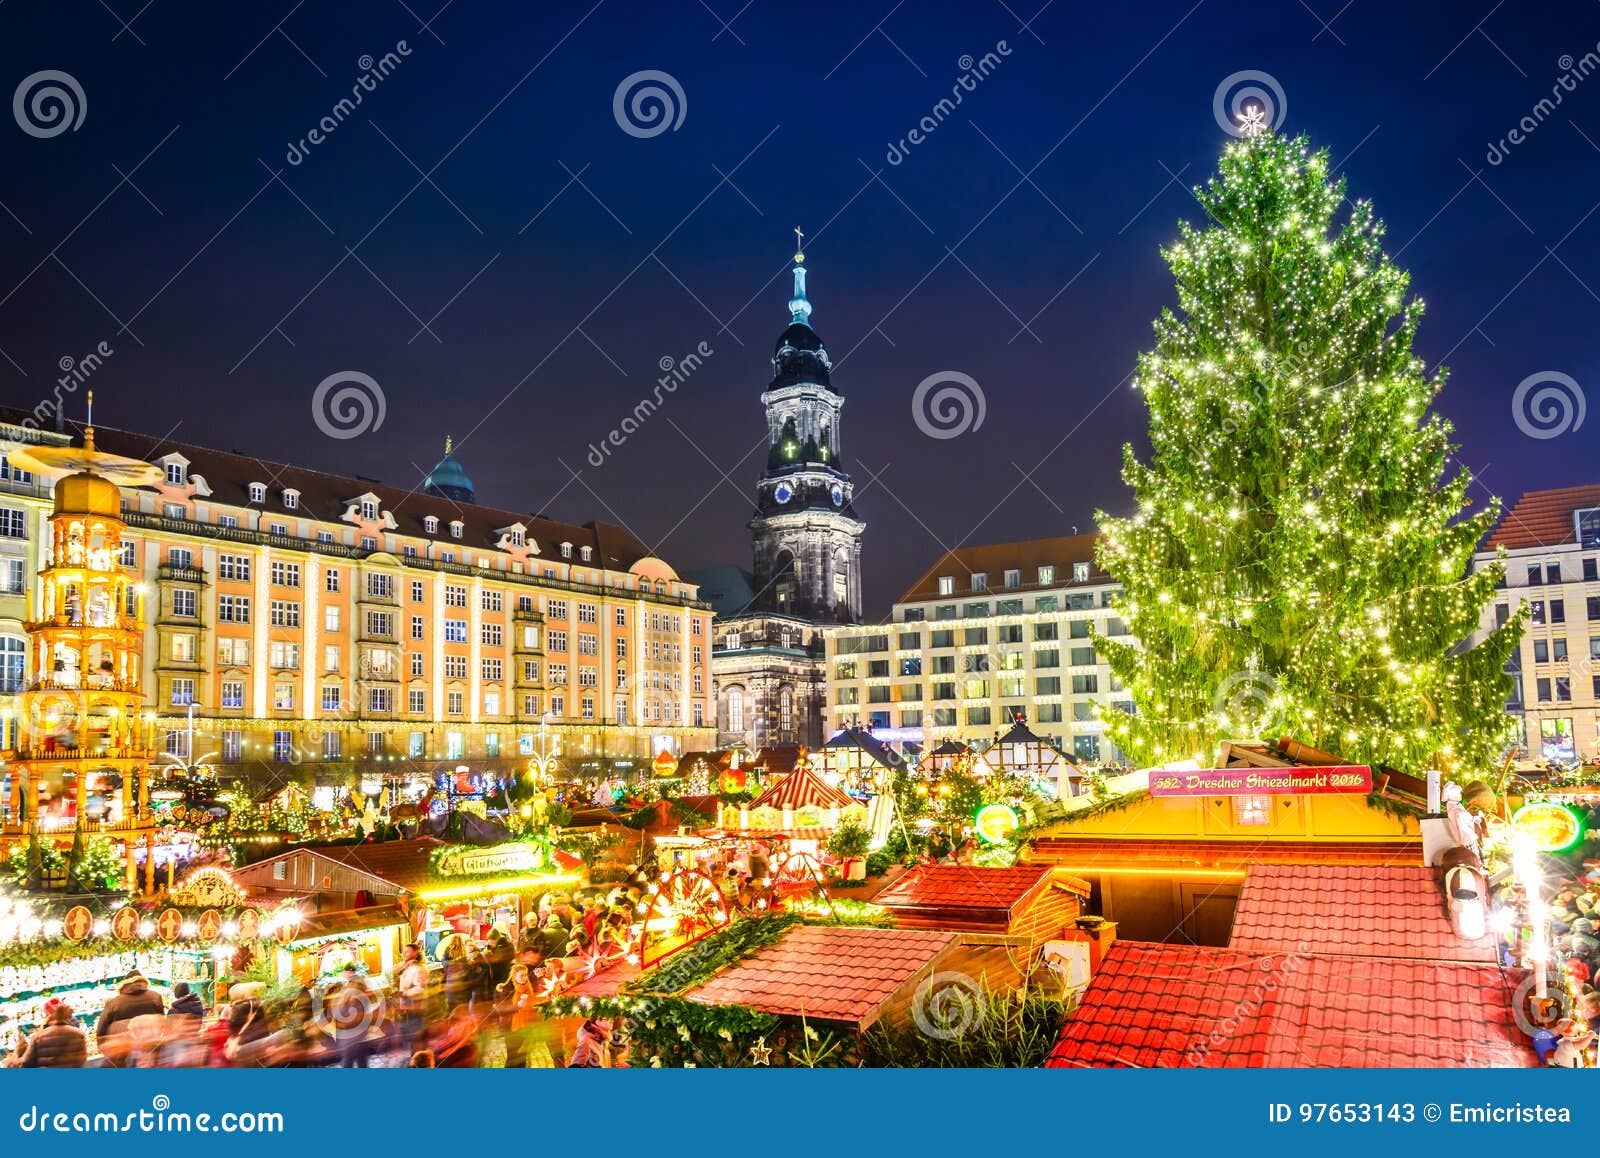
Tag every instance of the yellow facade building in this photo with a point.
(298, 617)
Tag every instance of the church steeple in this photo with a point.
(799, 305)
(807, 536)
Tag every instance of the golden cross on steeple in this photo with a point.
(799, 253)
(447, 445)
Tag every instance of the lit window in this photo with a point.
(1253, 811)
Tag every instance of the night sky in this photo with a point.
(556, 259)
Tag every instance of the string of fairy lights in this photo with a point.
(1296, 525)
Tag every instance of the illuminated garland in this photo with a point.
(1299, 560)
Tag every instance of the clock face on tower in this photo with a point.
(837, 494)
(783, 492)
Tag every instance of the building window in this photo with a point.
(380, 700)
(183, 604)
(330, 617)
(182, 692)
(453, 703)
(233, 693)
(332, 745)
(13, 576)
(455, 528)
(1012, 578)
(282, 746)
(285, 574)
(284, 614)
(735, 710)
(1080, 572)
(291, 499)
(455, 745)
(258, 492)
(416, 701)
(175, 474)
(236, 567)
(330, 698)
(369, 510)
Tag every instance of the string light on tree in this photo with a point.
(1295, 521)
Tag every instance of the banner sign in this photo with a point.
(1354, 779)
(516, 856)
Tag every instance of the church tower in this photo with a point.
(807, 537)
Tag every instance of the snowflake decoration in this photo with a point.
(1252, 120)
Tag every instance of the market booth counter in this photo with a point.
(314, 949)
(440, 889)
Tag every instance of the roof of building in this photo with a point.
(971, 887)
(827, 973)
(1084, 854)
(403, 863)
(865, 741)
(803, 788)
(325, 497)
(777, 759)
(996, 559)
(448, 478)
(1196, 1006)
(1543, 518)
(729, 589)
(1354, 910)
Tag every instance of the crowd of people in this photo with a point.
(475, 1004)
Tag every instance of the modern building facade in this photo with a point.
(1552, 540)
(806, 539)
(986, 636)
(307, 618)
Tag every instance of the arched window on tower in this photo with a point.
(736, 710)
(786, 710)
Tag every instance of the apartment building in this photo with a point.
(24, 521)
(988, 634)
(304, 617)
(1552, 540)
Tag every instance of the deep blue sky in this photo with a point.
(796, 101)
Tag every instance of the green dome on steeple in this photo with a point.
(449, 479)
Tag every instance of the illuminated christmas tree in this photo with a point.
(1298, 562)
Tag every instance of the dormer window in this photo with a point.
(566, 550)
(586, 553)
(1588, 522)
(456, 528)
(175, 474)
(1047, 575)
(516, 538)
(258, 491)
(291, 499)
(1080, 572)
(430, 523)
(369, 509)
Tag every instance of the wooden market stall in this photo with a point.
(1166, 862)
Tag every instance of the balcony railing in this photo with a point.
(177, 574)
(73, 682)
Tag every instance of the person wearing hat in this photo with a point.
(132, 998)
(61, 1044)
(185, 1002)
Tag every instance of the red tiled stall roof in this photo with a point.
(827, 973)
(1353, 910)
(996, 559)
(1090, 854)
(1543, 518)
(1192, 1006)
(969, 887)
(803, 788)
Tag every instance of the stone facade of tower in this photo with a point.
(806, 536)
